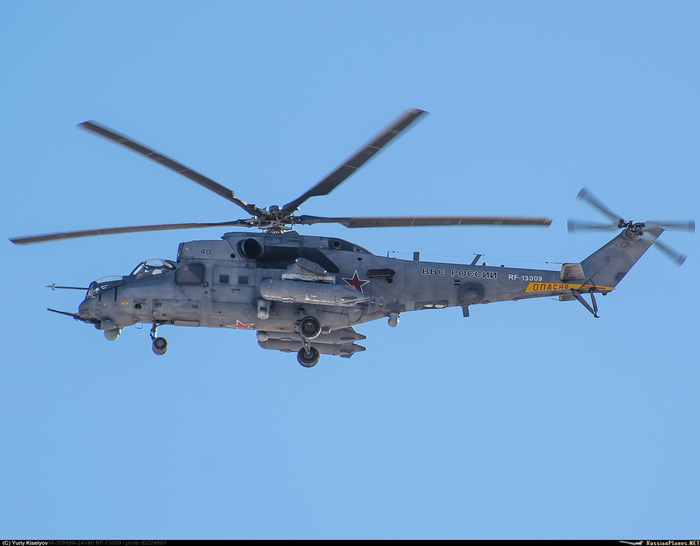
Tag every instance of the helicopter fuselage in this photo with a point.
(269, 282)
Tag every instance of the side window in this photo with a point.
(190, 274)
(223, 279)
(242, 280)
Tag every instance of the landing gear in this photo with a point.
(308, 357)
(309, 327)
(160, 344)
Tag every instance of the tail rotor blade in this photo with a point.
(688, 225)
(587, 196)
(577, 225)
(677, 257)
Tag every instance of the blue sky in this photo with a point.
(525, 420)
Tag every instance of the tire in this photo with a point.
(160, 346)
(308, 360)
(309, 327)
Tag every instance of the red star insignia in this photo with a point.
(240, 326)
(356, 282)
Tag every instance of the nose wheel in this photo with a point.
(160, 344)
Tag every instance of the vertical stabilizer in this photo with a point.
(607, 266)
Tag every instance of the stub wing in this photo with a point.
(337, 342)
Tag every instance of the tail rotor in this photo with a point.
(634, 229)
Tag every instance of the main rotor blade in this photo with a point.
(338, 176)
(588, 196)
(677, 257)
(688, 225)
(573, 225)
(420, 221)
(171, 164)
(114, 231)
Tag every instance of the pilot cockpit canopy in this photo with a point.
(154, 266)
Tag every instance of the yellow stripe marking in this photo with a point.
(559, 286)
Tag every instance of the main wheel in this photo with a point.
(310, 359)
(160, 346)
(310, 327)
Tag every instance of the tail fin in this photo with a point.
(606, 267)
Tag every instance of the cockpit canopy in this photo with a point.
(154, 266)
(104, 283)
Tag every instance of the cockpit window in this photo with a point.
(154, 266)
(104, 283)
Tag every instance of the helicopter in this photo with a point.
(305, 294)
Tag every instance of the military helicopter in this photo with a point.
(305, 294)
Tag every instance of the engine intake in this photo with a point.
(250, 248)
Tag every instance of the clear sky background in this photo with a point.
(525, 420)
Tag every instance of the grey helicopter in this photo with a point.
(305, 294)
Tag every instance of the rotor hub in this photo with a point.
(273, 220)
(635, 229)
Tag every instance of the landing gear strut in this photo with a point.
(309, 328)
(160, 344)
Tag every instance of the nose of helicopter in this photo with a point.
(84, 308)
(87, 308)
